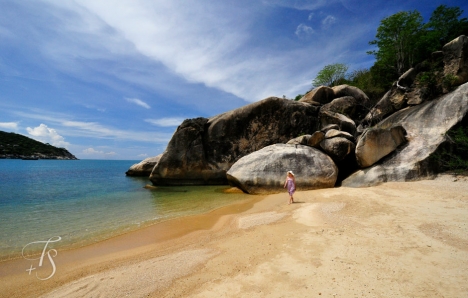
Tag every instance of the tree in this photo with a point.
(397, 40)
(331, 75)
(443, 26)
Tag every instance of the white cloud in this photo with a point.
(95, 129)
(142, 155)
(166, 122)
(311, 15)
(138, 102)
(300, 4)
(92, 151)
(328, 21)
(9, 125)
(304, 31)
(47, 135)
(209, 42)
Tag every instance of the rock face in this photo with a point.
(348, 106)
(302, 140)
(449, 65)
(343, 122)
(377, 143)
(315, 139)
(143, 168)
(346, 90)
(426, 125)
(202, 150)
(264, 171)
(321, 95)
(337, 148)
(456, 59)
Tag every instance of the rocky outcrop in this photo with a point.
(321, 95)
(445, 69)
(264, 171)
(302, 140)
(143, 168)
(202, 150)
(456, 59)
(356, 93)
(377, 143)
(425, 125)
(315, 139)
(337, 148)
(343, 122)
(349, 106)
(333, 133)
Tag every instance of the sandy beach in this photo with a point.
(394, 240)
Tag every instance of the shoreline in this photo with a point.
(403, 239)
(107, 253)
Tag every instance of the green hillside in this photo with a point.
(14, 145)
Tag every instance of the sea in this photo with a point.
(86, 201)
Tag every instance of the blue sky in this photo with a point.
(114, 79)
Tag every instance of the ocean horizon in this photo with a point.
(87, 201)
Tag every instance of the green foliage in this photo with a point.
(299, 96)
(402, 40)
(364, 79)
(331, 75)
(454, 155)
(397, 39)
(445, 25)
(449, 81)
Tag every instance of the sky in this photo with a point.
(112, 79)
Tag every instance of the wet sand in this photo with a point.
(394, 240)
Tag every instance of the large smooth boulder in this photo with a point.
(202, 150)
(337, 148)
(144, 167)
(456, 59)
(264, 171)
(302, 140)
(346, 90)
(349, 106)
(315, 139)
(321, 95)
(333, 133)
(394, 100)
(426, 125)
(343, 122)
(376, 143)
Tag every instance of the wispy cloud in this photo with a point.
(45, 134)
(9, 125)
(304, 31)
(138, 102)
(328, 21)
(208, 43)
(166, 122)
(95, 129)
(300, 4)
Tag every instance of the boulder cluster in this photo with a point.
(330, 136)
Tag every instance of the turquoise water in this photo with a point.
(86, 201)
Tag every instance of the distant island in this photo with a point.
(16, 146)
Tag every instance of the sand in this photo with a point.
(394, 240)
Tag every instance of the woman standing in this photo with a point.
(290, 184)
